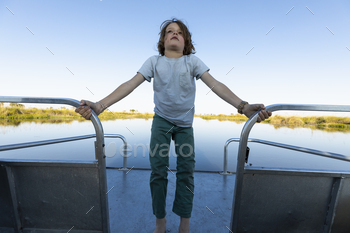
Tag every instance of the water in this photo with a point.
(210, 138)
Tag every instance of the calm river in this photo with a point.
(210, 138)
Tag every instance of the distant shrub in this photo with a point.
(17, 105)
(320, 120)
(294, 121)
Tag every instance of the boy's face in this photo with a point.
(173, 39)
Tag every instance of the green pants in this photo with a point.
(162, 133)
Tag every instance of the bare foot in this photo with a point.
(184, 225)
(160, 225)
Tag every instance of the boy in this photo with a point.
(174, 93)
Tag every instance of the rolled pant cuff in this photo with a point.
(182, 214)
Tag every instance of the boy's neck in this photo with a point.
(172, 54)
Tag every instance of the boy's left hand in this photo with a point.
(250, 109)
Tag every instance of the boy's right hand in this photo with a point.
(86, 107)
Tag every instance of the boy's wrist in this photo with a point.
(245, 109)
(100, 107)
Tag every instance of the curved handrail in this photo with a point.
(75, 103)
(281, 145)
(244, 141)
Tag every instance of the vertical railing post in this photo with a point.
(240, 170)
(101, 158)
(225, 172)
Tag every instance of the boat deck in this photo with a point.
(265, 199)
(130, 205)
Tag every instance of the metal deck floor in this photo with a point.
(130, 208)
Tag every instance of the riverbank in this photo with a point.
(328, 123)
(16, 113)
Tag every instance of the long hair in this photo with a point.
(188, 49)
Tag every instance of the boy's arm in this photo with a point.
(122, 91)
(226, 94)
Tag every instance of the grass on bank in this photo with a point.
(17, 112)
(328, 123)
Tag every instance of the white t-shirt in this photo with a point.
(174, 86)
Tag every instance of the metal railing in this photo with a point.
(244, 141)
(99, 145)
(281, 145)
(68, 139)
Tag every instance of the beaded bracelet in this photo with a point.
(241, 106)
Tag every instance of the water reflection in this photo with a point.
(336, 128)
(323, 127)
(210, 138)
(46, 121)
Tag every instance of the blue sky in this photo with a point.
(264, 51)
